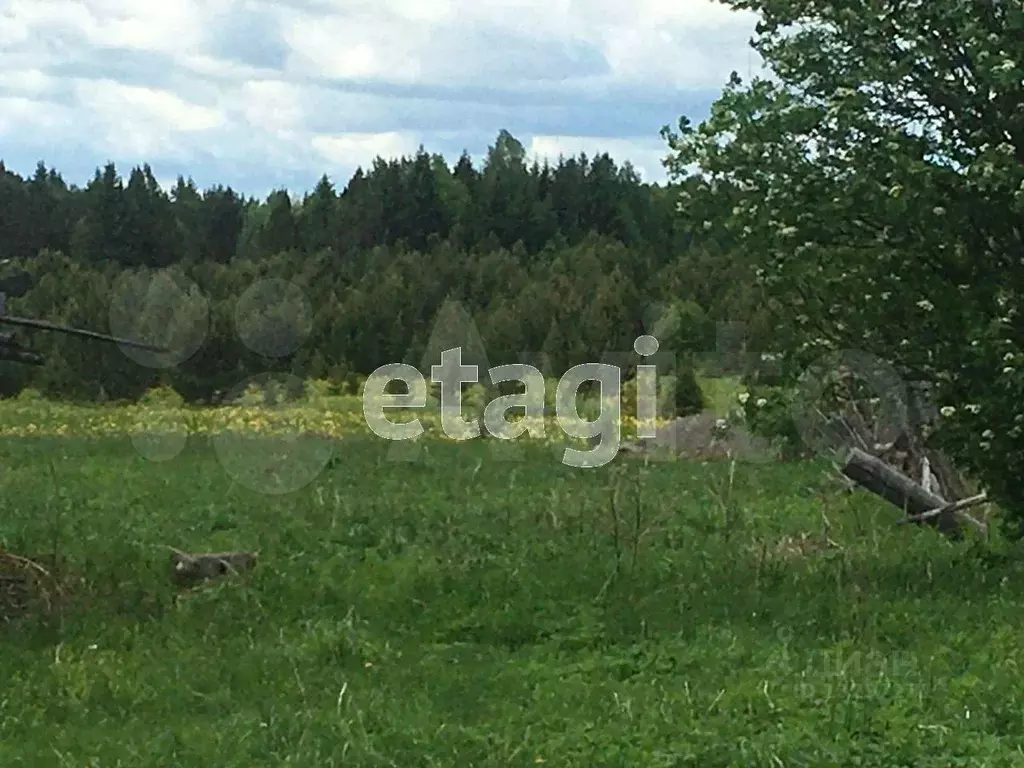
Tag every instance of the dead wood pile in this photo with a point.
(893, 462)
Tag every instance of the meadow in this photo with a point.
(454, 605)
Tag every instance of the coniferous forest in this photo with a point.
(562, 260)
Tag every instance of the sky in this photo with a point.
(270, 95)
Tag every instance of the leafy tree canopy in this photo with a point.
(875, 181)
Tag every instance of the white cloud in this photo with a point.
(269, 105)
(355, 46)
(168, 26)
(257, 93)
(115, 101)
(20, 116)
(359, 149)
(26, 81)
(644, 154)
(142, 121)
(692, 43)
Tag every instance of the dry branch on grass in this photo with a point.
(790, 547)
(953, 506)
(23, 579)
(189, 568)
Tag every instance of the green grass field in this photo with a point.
(458, 610)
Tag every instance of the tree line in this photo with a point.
(566, 261)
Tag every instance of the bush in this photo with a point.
(677, 396)
(688, 396)
(317, 390)
(768, 413)
(162, 397)
(30, 395)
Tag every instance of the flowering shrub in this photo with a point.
(768, 413)
(876, 195)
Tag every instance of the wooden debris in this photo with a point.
(955, 506)
(898, 465)
(190, 568)
(23, 582)
(14, 595)
(919, 503)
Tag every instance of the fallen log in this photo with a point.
(189, 568)
(883, 480)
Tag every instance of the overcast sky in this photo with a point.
(262, 95)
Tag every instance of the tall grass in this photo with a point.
(459, 610)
